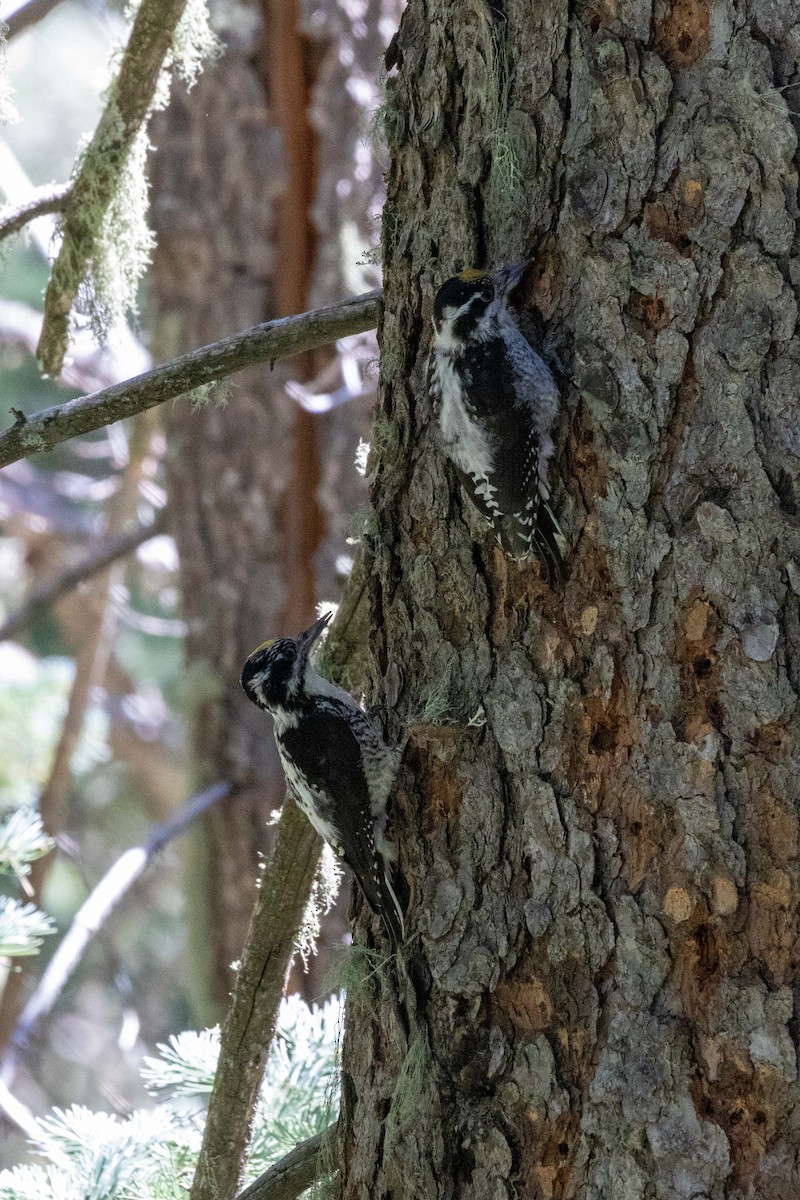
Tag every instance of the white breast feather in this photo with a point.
(310, 800)
(283, 719)
(465, 441)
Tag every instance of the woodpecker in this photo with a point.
(495, 402)
(335, 761)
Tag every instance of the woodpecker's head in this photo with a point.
(274, 675)
(467, 306)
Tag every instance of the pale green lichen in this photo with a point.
(118, 238)
(437, 699)
(195, 42)
(362, 457)
(360, 973)
(211, 395)
(505, 170)
(32, 442)
(111, 243)
(409, 1086)
(387, 122)
(324, 891)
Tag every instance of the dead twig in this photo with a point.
(46, 201)
(295, 1172)
(93, 914)
(109, 552)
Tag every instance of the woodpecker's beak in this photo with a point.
(506, 278)
(310, 635)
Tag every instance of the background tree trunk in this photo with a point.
(600, 836)
(261, 492)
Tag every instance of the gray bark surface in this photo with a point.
(600, 834)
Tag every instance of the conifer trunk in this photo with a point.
(600, 831)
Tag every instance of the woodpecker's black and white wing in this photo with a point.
(324, 763)
(525, 524)
(514, 397)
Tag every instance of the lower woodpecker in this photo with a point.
(336, 763)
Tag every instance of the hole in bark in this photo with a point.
(707, 954)
(703, 667)
(604, 739)
(683, 36)
(636, 827)
(736, 1116)
(563, 1149)
(650, 309)
(760, 1118)
(716, 715)
(706, 1107)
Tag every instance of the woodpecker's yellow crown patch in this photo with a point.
(471, 274)
(265, 645)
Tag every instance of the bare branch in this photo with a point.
(268, 342)
(249, 1027)
(46, 201)
(27, 15)
(18, 1114)
(295, 1172)
(102, 164)
(92, 915)
(47, 593)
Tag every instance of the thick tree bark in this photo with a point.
(600, 836)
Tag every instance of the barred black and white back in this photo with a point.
(495, 401)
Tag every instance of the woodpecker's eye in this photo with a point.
(487, 291)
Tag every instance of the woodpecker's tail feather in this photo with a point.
(392, 915)
(535, 532)
(382, 899)
(550, 543)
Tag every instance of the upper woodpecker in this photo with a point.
(335, 761)
(495, 401)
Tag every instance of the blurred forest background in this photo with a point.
(227, 517)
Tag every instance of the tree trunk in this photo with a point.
(600, 835)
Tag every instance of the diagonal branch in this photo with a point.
(249, 1027)
(261, 343)
(102, 165)
(47, 593)
(92, 915)
(91, 662)
(46, 201)
(27, 15)
(295, 1172)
